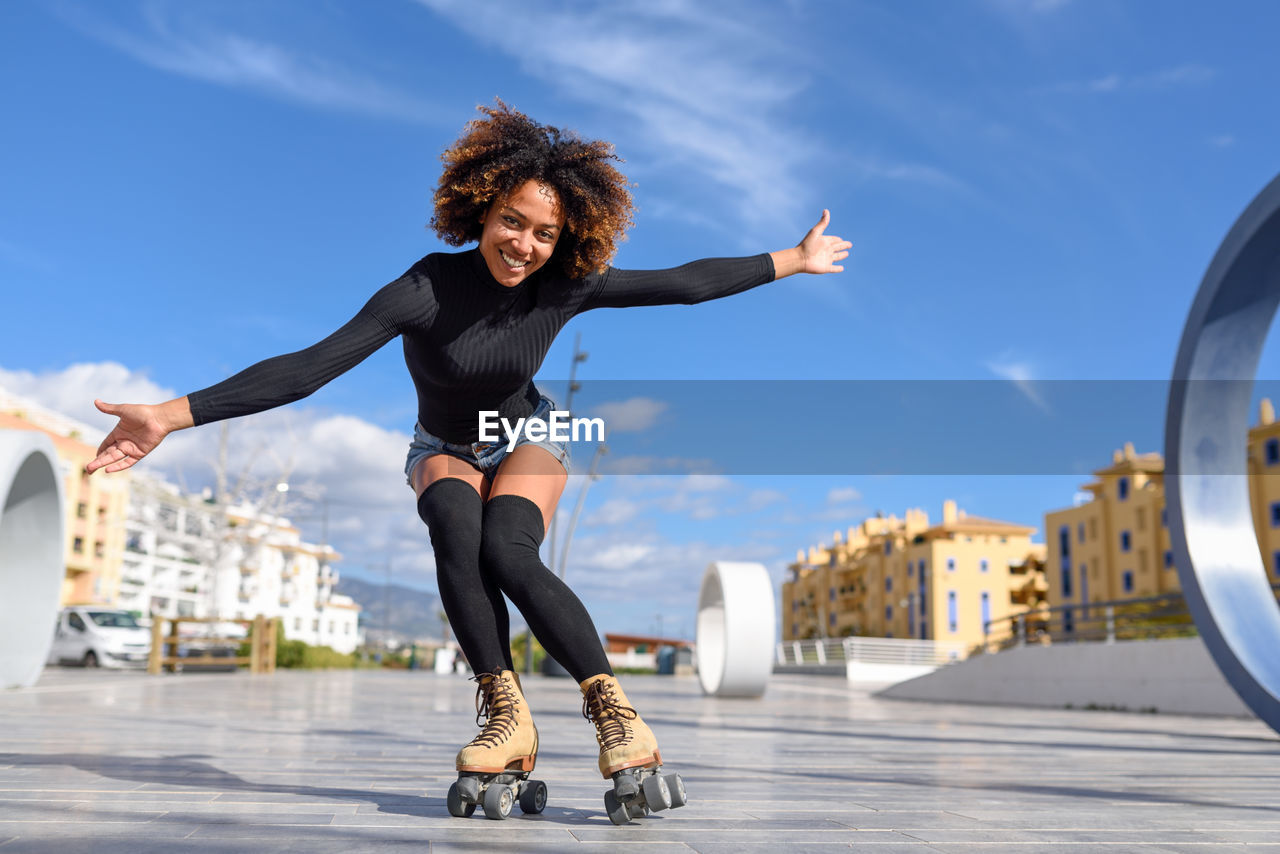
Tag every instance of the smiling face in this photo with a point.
(520, 232)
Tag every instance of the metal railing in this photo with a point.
(839, 651)
(1146, 618)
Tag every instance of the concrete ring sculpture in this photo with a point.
(736, 629)
(1206, 432)
(31, 553)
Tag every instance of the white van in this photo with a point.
(93, 637)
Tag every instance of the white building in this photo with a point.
(170, 548)
(182, 559)
(267, 569)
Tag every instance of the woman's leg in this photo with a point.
(524, 496)
(450, 501)
(520, 504)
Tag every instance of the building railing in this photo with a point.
(838, 651)
(1146, 618)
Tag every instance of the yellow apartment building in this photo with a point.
(906, 578)
(1115, 544)
(95, 506)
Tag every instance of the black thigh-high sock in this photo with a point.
(477, 612)
(509, 544)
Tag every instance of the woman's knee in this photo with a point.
(452, 510)
(511, 534)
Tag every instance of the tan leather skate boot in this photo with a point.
(625, 741)
(509, 740)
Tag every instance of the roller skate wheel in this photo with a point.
(615, 809)
(625, 787)
(533, 797)
(656, 794)
(498, 800)
(458, 807)
(676, 787)
(469, 789)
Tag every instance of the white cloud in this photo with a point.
(196, 50)
(1021, 374)
(843, 495)
(355, 465)
(1190, 74)
(634, 415)
(615, 511)
(71, 391)
(699, 86)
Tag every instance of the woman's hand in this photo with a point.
(816, 253)
(141, 427)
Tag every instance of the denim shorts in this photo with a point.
(486, 456)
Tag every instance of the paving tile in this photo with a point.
(350, 762)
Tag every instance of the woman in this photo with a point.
(547, 210)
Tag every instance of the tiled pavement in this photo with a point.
(351, 762)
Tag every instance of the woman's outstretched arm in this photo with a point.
(271, 382)
(712, 278)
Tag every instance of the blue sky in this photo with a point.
(1033, 189)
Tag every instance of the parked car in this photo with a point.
(99, 637)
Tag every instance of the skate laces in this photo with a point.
(495, 705)
(601, 707)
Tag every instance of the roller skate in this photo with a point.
(494, 767)
(628, 754)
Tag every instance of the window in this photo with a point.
(951, 564)
(888, 585)
(1168, 559)
(77, 545)
(953, 617)
(297, 623)
(82, 510)
(76, 622)
(832, 597)
(1064, 541)
(1275, 514)
(1126, 541)
(888, 613)
(1164, 517)
(986, 609)
(831, 619)
(794, 605)
(1122, 488)
(1068, 621)
(1273, 451)
(99, 548)
(911, 569)
(1080, 532)
(1140, 516)
(1275, 561)
(1128, 580)
(888, 546)
(982, 565)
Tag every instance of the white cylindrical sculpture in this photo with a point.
(736, 629)
(31, 553)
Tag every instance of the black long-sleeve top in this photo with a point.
(470, 343)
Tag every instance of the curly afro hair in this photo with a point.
(497, 154)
